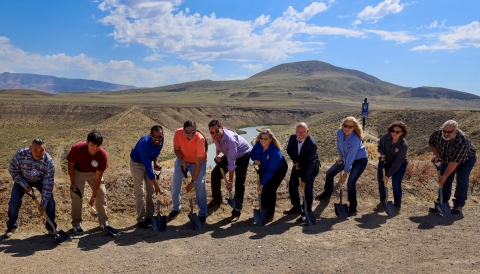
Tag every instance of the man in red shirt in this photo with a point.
(86, 163)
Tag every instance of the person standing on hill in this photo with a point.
(393, 157)
(86, 163)
(352, 158)
(190, 147)
(267, 155)
(457, 155)
(31, 167)
(302, 149)
(143, 156)
(235, 159)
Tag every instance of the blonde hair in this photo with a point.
(356, 126)
(270, 133)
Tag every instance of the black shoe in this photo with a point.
(352, 212)
(203, 219)
(300, 220)
(9, 232)
(323, 196)
(142, 225)
(457, 210)
(292, 210)
(432, 210)
(172, 215)
(148, 221)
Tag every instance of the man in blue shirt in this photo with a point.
(143, 154)
(31, 167)
(236, 156)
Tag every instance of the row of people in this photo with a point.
(33, 167)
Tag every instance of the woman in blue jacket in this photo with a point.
(267, 155)
(352, 158)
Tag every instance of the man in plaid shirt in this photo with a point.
(453, 148)
(31, 167)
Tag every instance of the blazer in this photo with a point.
(307, 158)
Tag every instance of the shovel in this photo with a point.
(387, 205)
(192, 216)
(230, 200)
(110, 230)
(341, 210)
(309, 217)
(442, 208)
(159, 222)
(259, 215)
(58, 236)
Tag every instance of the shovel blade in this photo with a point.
(310, 218)
(195, 220)
(389, 208)
(257, 216)
(341, 211)
(155, 224)
(231, 202)
(111, 231)
(61, 236)
(162, 222)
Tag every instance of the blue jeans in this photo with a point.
(358, 166)
(200, 190)
(396, 183)
(463, 173)
(16, 202)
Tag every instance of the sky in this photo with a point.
(148, 43)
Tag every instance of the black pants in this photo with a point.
(293, 185)
(240, 177)
(269, 192)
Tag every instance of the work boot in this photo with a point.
(457, 210)
(323, 196)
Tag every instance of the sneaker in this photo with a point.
(292, 210)
(379, 208)
(323, 196)
(77, 229)
(142, 225)
(173, 214)
(148, 221)
(9, 232)
(457, 210)
(399, 210)
(203, 219)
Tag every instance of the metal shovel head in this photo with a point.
(309, 216)
(230, 200)
(389, 208)
(155, 219)
(259, 214)
(195, 220)
(112, 231)
(443, 209)
(341, 210)
(60, 237)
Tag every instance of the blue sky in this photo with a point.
(149, 43)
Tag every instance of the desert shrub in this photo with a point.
(372, 151)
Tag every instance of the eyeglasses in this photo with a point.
(348, 126)
(216, 131)
(190, 131)
(265, 139)
(157, 136)
(396, 131)
(448, 131)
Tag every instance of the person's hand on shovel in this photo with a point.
(260, 189)
(190, 186)
(92, 200)
(41, 209)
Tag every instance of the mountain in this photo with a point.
(437, 93)
(54, 84)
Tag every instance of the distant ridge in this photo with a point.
(54, 84)
(437, 93)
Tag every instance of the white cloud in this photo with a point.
(253, 67)
(381, 10)
(357, 22)
(398, 36)
(457, 38)
(159, 26)
(13, 59)
(436, 25)
(153, 57)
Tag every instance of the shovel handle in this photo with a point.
(77, 191)
(44, 214)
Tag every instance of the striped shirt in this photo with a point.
(24, 169)
(457, 150)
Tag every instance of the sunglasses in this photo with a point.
(396, 131)
(190, 131)
(215, 132)
(265, 139)
(348, 126)
(448, 131)
(157, 136)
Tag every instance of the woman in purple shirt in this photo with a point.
(267, 155)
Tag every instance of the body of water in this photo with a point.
(250, 133)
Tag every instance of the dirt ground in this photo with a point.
(413, 242)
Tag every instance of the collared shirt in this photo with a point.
(270, 160)
(300, 144)
(457, 150)
(395, 154)
(351, 148)
(23, 169)
(233, 146)
(191, 149)
(145, 152)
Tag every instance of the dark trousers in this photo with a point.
(462, 171)
(293, 185)
(269, 192)
(240, 177)
(396, 180)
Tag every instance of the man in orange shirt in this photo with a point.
(190, 147)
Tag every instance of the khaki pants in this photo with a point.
(100, 201)
(143, 191)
